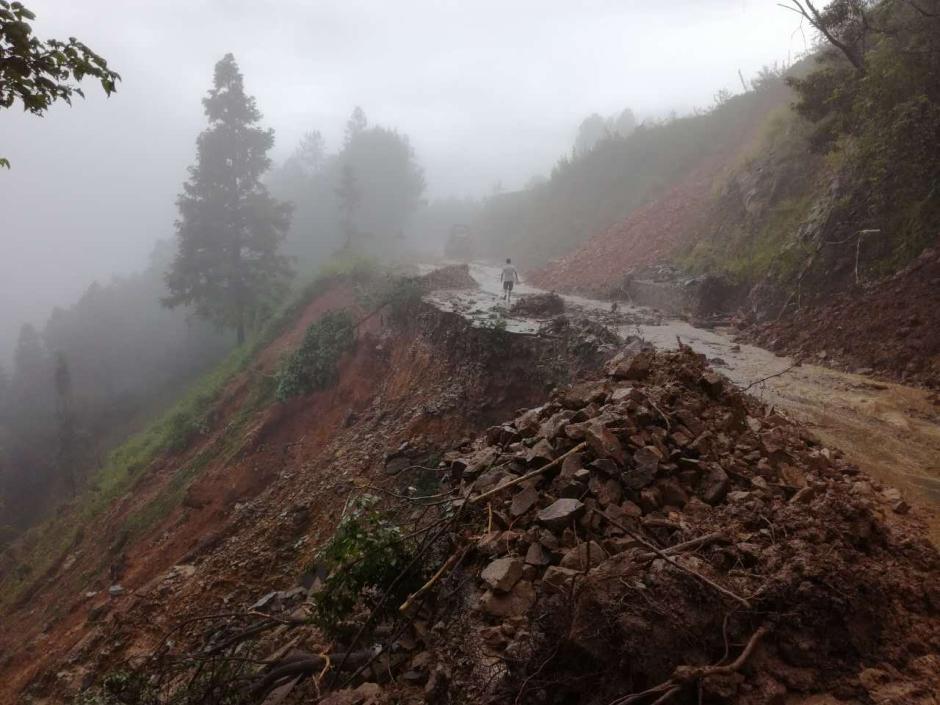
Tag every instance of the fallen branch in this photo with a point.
(716, 537)
(666, 557)
(528, 476)
(776, 374)
(448, 564)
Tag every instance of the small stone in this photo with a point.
(537, 555)
(501, 435)
(712, 383)
(582, 476)
(714, 485)
(558, 578)
(553, 427)
(636, 366)
(901, 507)
(606, 466)
(892, 494)
(651, 499)
(513, 604)
(116, 590)
(646, 463)
(604, 443)
(397, 464)
(607, 491)
(571, 465)
(502, 574)
(672, 493)
(561, 513)
(584, 556)
(541, 453)
(523, 501)
(631, 509)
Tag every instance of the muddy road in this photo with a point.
(890, 431)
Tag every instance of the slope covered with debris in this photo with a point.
(650, 536)
(243, 506)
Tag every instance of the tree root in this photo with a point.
(684, 675)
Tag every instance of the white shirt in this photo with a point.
(509, 274)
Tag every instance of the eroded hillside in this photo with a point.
(465, 514)
(245, 507)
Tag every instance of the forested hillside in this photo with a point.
(95, 372)
(832, 188)
(595, 188)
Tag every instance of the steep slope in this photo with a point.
(653, 534)
(652, 234)
(811, 213)
(591, 193)
(245, 506)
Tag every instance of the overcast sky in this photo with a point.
(487, 90)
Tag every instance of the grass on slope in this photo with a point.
(46, 546)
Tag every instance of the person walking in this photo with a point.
(509, 276)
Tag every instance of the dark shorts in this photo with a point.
(507, 285)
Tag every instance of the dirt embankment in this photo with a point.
(891, 327)
(262, 502)
(651, 234)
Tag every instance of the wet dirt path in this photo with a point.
(890, 431)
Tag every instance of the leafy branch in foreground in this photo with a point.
(37, 73)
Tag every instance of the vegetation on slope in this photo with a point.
(591, 191)
(842, 187)
(45, 546)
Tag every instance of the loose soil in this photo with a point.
(890, 327)
(651, 234)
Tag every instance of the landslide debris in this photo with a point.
(456, 276)
(652, 233)
(891, 327)
(541, 305)
(652, 536)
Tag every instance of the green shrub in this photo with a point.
(313, 365)
(368, 558)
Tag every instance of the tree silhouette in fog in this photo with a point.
(227, 264)
(349, 196)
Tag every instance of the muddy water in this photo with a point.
(890, 431)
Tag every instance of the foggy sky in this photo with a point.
(488, 90)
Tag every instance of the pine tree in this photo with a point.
(66, 457)
(349, 195)
(227, 263)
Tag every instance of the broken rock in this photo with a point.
(512, 604)
(604, 443)
(523, 501)
(503, 573)
(561, 513)
(584, 556)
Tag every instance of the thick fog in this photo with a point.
(489, 92)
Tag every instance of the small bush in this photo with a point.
(313, 365)
(368, 560)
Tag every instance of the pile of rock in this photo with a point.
(659, 518)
